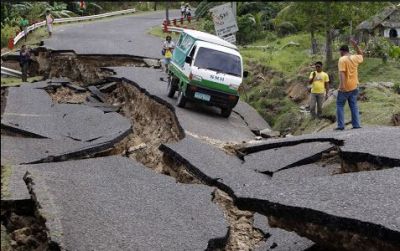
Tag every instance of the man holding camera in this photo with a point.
(319, 82)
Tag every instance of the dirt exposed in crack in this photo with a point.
(153, 124)
(22, 227)
(242, 234)
(64, 95)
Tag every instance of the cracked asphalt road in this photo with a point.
(366, 198)
(125, 35)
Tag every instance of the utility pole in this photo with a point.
(166, 11)
(234, 9)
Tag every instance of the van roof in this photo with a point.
(209, 38)
(218, 47)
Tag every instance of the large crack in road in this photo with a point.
(317, 186)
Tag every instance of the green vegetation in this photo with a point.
(286, 55)
(5, 179)
(377, 107)
(12, 81)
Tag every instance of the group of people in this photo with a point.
(186, 10)
(348, 86)
(24, 24)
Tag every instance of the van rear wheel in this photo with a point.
(172, 86)
(226, 112)
(181, 102)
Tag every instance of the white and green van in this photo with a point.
(207, 69)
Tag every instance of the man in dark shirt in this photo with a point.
(24, 62)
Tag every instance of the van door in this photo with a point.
(187, 67)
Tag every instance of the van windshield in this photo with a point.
(218, 61)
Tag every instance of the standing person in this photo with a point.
(319, 82)
(348, 85)
(24, 62)
(49, 22)
(188, 11)
(23, 24)
(183, 10)
(168, 48)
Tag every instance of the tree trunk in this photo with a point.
(314, 45)
(328, 48)
(155, 6)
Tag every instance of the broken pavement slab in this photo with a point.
(18, 150)
(31, 111)
(276, 159)
(133, 209)
(213, 166)
(353, 211)
(279, 239)
(97, 93)
(361, 204)
(317, 169)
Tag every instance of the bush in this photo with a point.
(394, 52)
(208, 26)
(249, 29)
(396, 88)
(286, 28)
(7, 32)
(378, 47)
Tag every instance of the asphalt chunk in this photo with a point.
(276, 159)
(133, 209)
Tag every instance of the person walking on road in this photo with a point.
(24, 62)
(23, 24)
(49, 22)
(319, 82)
(168, 48)
(348, 85)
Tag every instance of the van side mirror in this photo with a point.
(188, 60)
(245, 74)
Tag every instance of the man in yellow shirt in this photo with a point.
(319, 81)
(348, 85)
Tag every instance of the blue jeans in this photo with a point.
(351, 97)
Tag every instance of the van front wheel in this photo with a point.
(181, 102)
(226, 112)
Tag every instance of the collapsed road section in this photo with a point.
(63, 122)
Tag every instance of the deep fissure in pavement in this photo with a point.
(329, 236)
(348, 161)
(22, 225)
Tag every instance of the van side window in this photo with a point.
(186, 43)
(181, 37)
(192, 52)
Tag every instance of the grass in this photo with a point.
(33, 38)
(5, 180)
(12, 81)
(378, 109)
(281, 56)
(374, 70)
